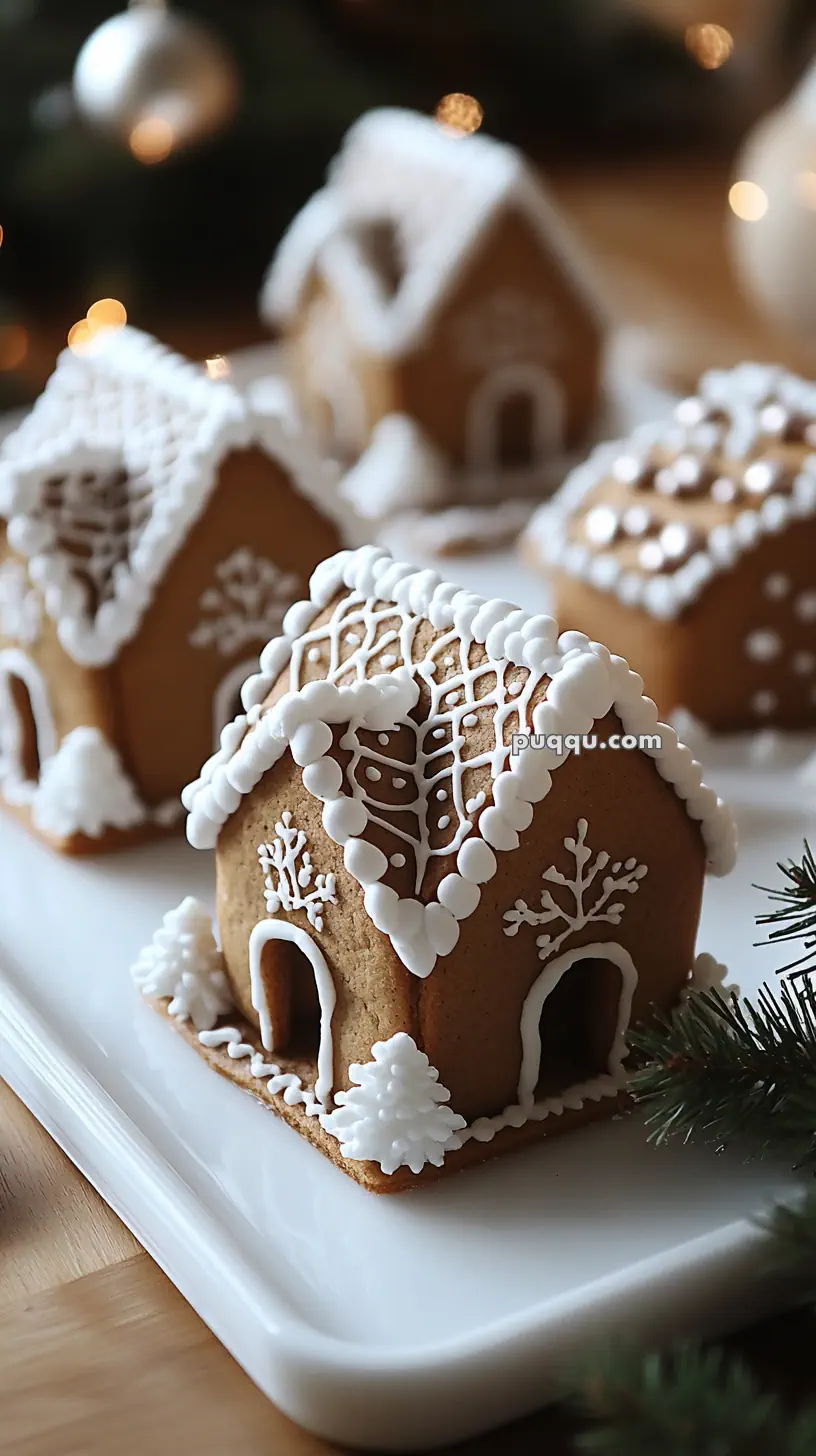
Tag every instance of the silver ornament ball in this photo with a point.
(152, 68)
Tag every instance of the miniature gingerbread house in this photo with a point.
(157, 531)
(440, 904)
(439, 317)
(692, 548)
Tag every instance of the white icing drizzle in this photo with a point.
(739, 395)
(586, 682)
(395, 1115)
(288, 1083)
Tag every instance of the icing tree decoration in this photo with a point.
(248, 604)
(291, 862)
(400, 466)
(183, 962)
(20, 606)
(623, 879)
(507, 326)
(84, 789)
(396, 1114)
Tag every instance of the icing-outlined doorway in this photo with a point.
(279, 952)
(28, 735)
(515, 419)
(574, 1022)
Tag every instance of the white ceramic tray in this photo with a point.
(399, 1322)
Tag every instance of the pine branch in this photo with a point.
(690, 1403)
(793, 1231)
(795, 919)
(717, 1070)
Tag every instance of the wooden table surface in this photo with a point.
(98, 1352)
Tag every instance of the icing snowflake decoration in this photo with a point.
(20, 605)
(183, 962)
(396, 1114)
(290, 861)
(426, 742)
(248, 604)
(506, 326)
(622, 879)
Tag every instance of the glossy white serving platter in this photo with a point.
(396, 1323)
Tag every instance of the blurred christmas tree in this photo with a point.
(83, 217)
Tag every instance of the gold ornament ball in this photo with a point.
(152, 71)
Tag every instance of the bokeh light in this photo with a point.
(13, 346)
(748, 201)
(805, 184)
(151, 140)
(459, 114)
(79, 336)
(1, 235)
(107, 313)
(217, 367)
(710, 45)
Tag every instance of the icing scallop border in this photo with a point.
(586, 683)
(662, 595)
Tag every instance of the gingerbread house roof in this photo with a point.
(653, 519)
(489, 666)
(435, 192)
(102, 481)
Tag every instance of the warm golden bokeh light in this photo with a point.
(13, 346)
(710, 45)
(151, 140)
(805, 184)
(459, 114)
(79, 336)
(217, 367)
(1, 235)
(107, 313)
(748, 201)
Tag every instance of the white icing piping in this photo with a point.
(586, 682)
(667, 595)
(262, 934)
(15, 788)
(294, 1093)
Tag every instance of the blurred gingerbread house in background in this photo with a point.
(158, 529)
(691, 550)
(438, 317)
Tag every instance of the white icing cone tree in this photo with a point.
(183, 962)
(396, 1114)
(84, 789)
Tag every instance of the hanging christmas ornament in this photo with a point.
(158, 79)
(773, 212)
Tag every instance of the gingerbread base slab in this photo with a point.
(109, 842)
(392, 1323)
(370, 1175)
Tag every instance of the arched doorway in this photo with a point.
(295, 1003)
(515, 420)
(574, 1022)
(227, 697)
(27, 732)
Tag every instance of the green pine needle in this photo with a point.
(717, 1071)
(692, 1402)
(795, 919)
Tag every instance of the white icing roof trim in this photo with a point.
(667, 595)
(438, 191)
(586, 683)
(130, 403)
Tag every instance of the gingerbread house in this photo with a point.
(157, 530)
(440, 903)
(692, 548)
(440, 321)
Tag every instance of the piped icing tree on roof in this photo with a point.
(113, 490)
(432, 267)
(708, 521)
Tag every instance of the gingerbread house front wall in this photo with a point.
(178, 680)
(44, 693)
(501, 1013)
(508, 373)
(743, 653)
